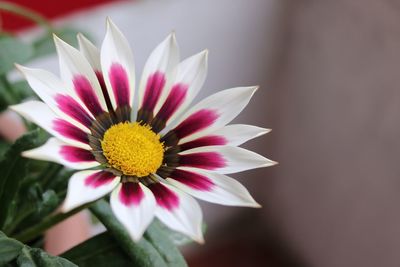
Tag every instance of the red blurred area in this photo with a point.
(48, 8)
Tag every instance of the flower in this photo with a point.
(152, 148)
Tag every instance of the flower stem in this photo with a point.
(26, 13)
(49, 221)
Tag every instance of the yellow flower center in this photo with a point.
(133, 149)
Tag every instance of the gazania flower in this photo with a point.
(153, 149)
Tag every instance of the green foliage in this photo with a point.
(149, 251)
(14, 253)
(99, 251)
(13, 50)
(9, 249)
(14, 169)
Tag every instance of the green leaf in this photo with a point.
(163, 244)
(22, 91)
(13, 50)
(99, 251)
(142, 253)
(14, 169)
(9, 249)
(25, 256)
(35, 257)
(178, 239)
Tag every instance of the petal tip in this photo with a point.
(21, 68)
(270, 163)
(26, 154)
(264, 131)
(199, 239)
(65, 207)
(255, 205)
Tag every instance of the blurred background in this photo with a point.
(329, 73)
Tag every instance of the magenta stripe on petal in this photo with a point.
(173, 101)
(103, 86)
(154, 86)
(120, 84)
(86, 93)
(76, 154)
(70, 107)
(203, 160)
(102, 83)
(131, 194)
(196, 122)
(98, 179)
(212, 140)
(193, 180)
(165, 197)
(70, 131)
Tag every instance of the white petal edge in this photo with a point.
(186, 219)
(40, 114)
(90, 51)
(225, 191)
(72, 63)
(78, 193)
(192, 72)
(164, 58)
(237, 134)
(134, 218)
(50, 151)
(46, 85)
(237, 159)
(116, 49)
(227, 104)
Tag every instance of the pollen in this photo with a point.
(133, 149)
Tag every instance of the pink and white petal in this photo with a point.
(231, 135)
(59, 98)
(158, 72)
(213, 113)
(40, 114)
(190, 76)
(118, 66)
(78, 74)
(212, 187)
(88, 186)
(60, 152)
(178, 210)
(134, 205)
(223, 159)
(90, 51)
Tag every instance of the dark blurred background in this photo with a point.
(330, 89)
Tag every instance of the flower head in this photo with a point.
(152, 148)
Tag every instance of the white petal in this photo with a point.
(223, 159)
(215, 111)
(40, 114)
(87, 186)
(178, 210)
(160, 65)
(75, 69)
(135, 210)
(237, 134)
(212, 187)
(48, 87)
(115, 50)
(57, 151)
(90, 51)
(230, 135)
(190, 74)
